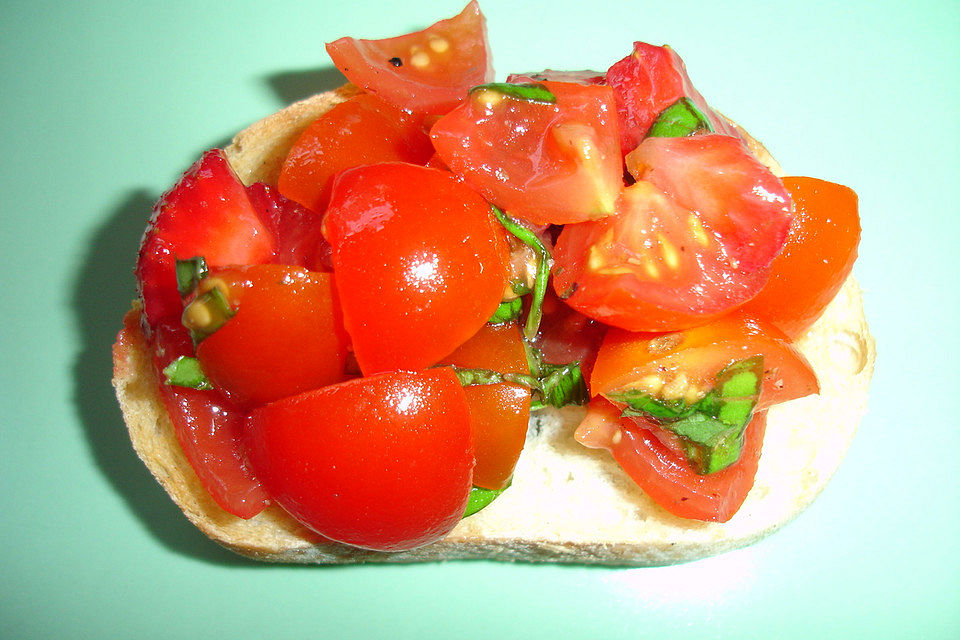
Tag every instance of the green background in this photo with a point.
(105, 103)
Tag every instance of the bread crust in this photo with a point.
(566, 503)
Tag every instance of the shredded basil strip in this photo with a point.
(507, 311)
(189, 274)
(680, 119)
(185, 371)
(529, 238)
(711, 429)
(528, 91)
(480, 497)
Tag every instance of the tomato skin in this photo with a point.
(380, 463)
(361, 130)
(815, 261)
(546, 163)
(499, 413)
(207, 213)
(286, 337)
(700, 353)
(421, 263)
(437, 65)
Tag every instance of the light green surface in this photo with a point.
(104, 104)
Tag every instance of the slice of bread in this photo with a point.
(566, 503)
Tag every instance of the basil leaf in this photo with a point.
(527, 91)
(480, 497)
(507, 311)
(680, 119)
(185, 371)
(529, 238)
(189, 274)
(561, 385)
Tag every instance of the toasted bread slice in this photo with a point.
(567, 503)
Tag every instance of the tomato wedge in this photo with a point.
(546, 153)
(381, 463)
(685, 363)
(420, 263)
(427, 72)
(816, 259)
(665, 476)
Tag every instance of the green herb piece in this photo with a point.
(680, 119)
(208, 312)
(711, 429)
(185, 371)
(529, 238)
(507, 311)
(189, 274)
(479, 498)
(527, 91)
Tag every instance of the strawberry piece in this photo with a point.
(296, 228)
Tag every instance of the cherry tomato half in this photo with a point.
(286, 336)
(817, 258)
(420, 263)
(427, 72)
(381, 463)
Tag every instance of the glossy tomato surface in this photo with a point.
(664, 475)
(381, 463)
(286, 336)
(816, 259)
(420, 263)
(427, 72)
(546, 162)
(362, 130)
(207, 213)
(688, 361)
(498, 412)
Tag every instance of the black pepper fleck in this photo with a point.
(397, 62)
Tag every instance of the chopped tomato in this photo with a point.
(568, 336)
(380, 463)
(548, 155)
(362, 130)
(420, 263)
(584, 76)
(684, 364)
(207, 213)
(427, 72)
(664, 475)
(498, 412)
(285, 335)
(817, 258)
(295, 228)
(209, 429)
(732, 193)
(645, 83)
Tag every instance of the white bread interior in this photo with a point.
(567, 503)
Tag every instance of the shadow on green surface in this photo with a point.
(102, 293)
(291, 86)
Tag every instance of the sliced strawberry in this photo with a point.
(732, 193)
(645, 83)
(207, 213)
(295, 228)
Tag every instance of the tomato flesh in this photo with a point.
(688, 361)
(817, 258)
(420, 263)
(499, 413)
(362, 130)
(381, 463)
(427, 72)
(286, 335)
(548, 163)
(295, 228)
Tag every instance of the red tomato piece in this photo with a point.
(584, 76)
(665, 476)
(380, 463)
(817, 258)
(567, 336)
(209, 429)
(499, 413)
(732, 193)
(285, 338)
(362, 130)
(549, 163)
(207, 213)
(645, 83)
(686, 363)
(651, 267)
(296, 229)
(420, 263)
(427, 72)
